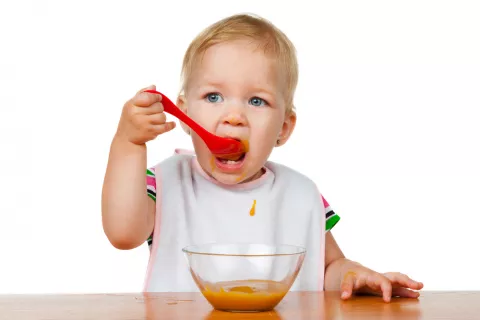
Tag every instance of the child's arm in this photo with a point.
(349, 277)
(127, 211)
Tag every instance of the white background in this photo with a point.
(388, 111)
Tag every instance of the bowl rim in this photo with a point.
(188, 250)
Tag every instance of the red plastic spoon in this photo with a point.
(217, 145)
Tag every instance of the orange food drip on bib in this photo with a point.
(252, 210)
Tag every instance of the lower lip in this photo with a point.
(229, 168)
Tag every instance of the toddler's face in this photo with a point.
(237, 91)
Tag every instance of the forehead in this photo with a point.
(242, 61)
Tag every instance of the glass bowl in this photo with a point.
(244, 277)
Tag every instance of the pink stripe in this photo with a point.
(156, 232)
(321, 281)
(325, 203)
(184, 151)
(151, 182)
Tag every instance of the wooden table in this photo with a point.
(298, 306)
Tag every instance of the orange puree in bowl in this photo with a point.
(245, 295)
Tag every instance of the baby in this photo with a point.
(238, 80)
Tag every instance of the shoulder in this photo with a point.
(178, 161)
(286, 173)
(293, 179)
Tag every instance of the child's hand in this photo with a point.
(391, 284)
(143, 118)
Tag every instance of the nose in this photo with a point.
(234, 118)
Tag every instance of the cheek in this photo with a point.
(203, 115)
(268, 127)
(264, 137)
(203, 153)
(194, 112)
(199, 144)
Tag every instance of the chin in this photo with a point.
(237, 177)
(228, 179)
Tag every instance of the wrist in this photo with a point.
(124, 145)
(349, 266)
(341, 264)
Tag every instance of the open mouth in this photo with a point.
(231, 158)
(232, 162)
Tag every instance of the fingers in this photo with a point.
(402, 280)
(386, 287)
(158, 118)
(348, 284)
(377, 284)
(405, 293)
(146, 99)
(360, 282)
(153, 125)
(143, 117)
(150, 87)
(162, 128)
(155, 108)
(373, 283)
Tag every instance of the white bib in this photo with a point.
(193, 208)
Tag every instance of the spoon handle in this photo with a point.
(217, 145)
(171, 108)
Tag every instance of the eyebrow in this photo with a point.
(219, 85)
(268, 91)
(209, 83)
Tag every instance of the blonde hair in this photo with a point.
(241, 26)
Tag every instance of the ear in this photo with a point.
(182, 105)
(287, 128)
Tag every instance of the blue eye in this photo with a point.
(257, 102)
(214, 98)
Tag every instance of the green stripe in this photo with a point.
(152, 196)
(331, 222)
(150, 173)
